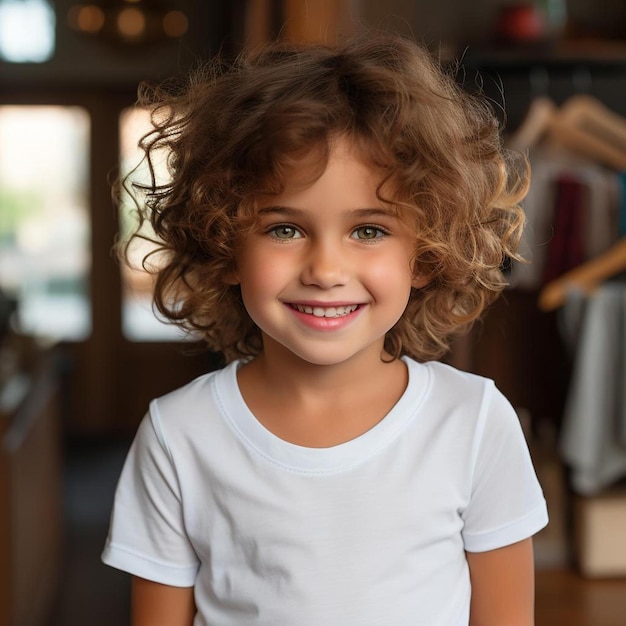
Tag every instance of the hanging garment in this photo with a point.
(566, 249)
(593, 434)
(599, 200)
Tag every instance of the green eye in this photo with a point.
(285, 232)
(367, 232)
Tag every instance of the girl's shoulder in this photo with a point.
(196, 391)
(184, 409)
(464, 395)
(443, 378)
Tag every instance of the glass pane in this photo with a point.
(44, 218)
(26, 31)
(139, 321)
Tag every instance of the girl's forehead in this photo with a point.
(304, 169)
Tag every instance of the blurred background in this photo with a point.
(81, 352)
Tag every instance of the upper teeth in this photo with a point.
(331, 311)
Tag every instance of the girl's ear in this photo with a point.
(419, 281)
(420, 277)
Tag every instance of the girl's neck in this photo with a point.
(320, 405)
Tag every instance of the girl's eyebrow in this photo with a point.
(360, 213)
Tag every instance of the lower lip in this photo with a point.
(325, 323)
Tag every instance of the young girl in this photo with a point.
(334, 215)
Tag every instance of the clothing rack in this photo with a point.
(594, 315)
(586, 126)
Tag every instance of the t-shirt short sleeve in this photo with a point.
(147, 535)
(506, 503)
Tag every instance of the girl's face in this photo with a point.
(327, 271)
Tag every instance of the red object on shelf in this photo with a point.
(520, 23)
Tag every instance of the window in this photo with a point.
(44, 218)
(26, 31)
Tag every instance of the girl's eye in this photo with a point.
(368, 232)
(285, 232)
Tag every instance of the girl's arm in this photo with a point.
(154, 604)
(503, 586)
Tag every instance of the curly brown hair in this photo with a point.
(234, 131)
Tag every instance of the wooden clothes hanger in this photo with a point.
(587, 127)
(582, 124)
(540, 116)
(586, 277)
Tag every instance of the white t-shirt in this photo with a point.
(370, 532)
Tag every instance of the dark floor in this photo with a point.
(91, 593)
(95, 595)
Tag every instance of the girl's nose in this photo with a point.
(325, 266)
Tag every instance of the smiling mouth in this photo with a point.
(331, 311)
